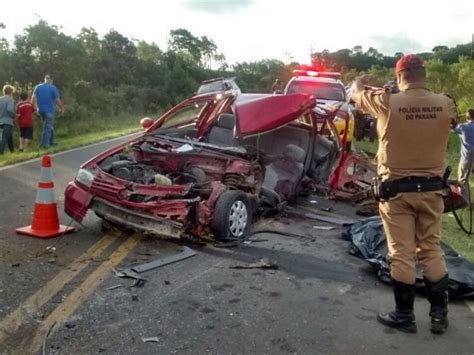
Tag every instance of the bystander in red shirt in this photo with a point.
(25, 110)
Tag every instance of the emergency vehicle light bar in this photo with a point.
(322, 74)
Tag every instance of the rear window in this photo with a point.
(324, 91)
(211, 87)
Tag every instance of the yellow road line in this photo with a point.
(13, 321)
(79, 295)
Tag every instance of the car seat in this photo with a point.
(285, 172)
(222, 133)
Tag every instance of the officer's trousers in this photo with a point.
(412, 223)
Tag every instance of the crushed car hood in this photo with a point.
(262, 114)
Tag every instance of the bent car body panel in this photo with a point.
(256, 113)
(76, 201)
(151, 179)
(267, 113)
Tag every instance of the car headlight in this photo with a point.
(85, 177)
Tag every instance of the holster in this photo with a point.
(386, 189)
(382, 189)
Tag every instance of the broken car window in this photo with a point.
(186, 115)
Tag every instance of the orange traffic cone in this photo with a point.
(45, 216)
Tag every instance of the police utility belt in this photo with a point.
(384, 190)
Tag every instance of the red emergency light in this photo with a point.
(314, 73)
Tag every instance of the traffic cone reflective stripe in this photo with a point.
(46, 173)
(45, 194)
(45, 216)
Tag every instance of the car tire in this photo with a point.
(232, 215)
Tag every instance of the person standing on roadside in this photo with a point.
(45, 98)
(277, 87)
(7, 114)
(24, 117)
(413, 129)
(466, 134)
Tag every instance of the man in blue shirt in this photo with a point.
(466, 133)
(45, 98)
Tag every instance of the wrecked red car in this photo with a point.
(209, 166)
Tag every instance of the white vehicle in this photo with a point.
(219, 85)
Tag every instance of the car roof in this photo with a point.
(217, 79)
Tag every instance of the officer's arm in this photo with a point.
(369, 101)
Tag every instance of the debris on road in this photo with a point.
(50, 249)
(367, 211)
(261, 264)
(70, 324)
(113, 287)
(329, 219)
(151, 340)
(326, 209)
(45, 339)
(139, 281)
(15, 265)
(324, 228)
(367, 239)
(250, 241)
(186, 253)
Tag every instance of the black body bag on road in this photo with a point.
(368, 242)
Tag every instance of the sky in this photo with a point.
(249, 30)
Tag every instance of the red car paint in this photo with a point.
(184, 206)
(223, 169)
(271, 112)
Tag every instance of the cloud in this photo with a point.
(217, 6)
(461, 16)
(399, 42)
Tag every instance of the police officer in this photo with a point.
(413, 128)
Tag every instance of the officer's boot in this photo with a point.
(438, 297)
(403, 317)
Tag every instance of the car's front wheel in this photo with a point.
(232, 215)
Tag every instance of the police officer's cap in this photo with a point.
(409, 61)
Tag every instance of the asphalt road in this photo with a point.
(320, 300)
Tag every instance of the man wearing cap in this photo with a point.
(413, 128)
(45, 98)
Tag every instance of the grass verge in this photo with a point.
(71, 135)
(452, 234)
